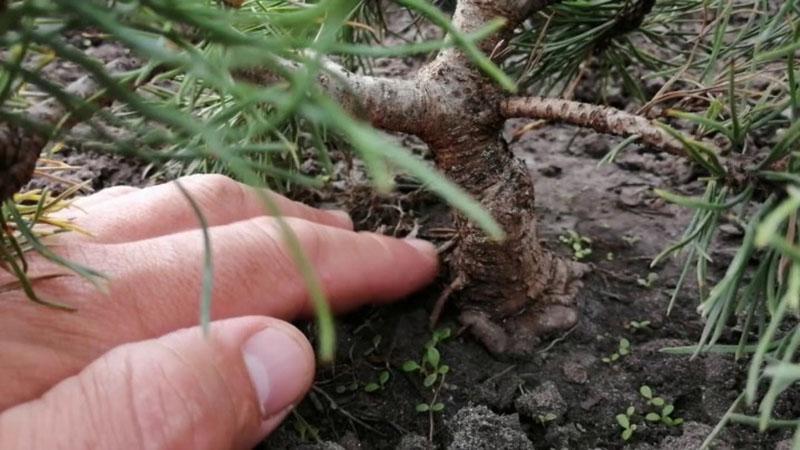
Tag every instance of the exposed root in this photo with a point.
(550, 311)
(456, 285)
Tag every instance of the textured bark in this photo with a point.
(19, 150)
(387, 103)
(514, 291)
(603, 119)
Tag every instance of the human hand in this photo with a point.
(130, 368)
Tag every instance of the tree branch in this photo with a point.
(603, 119)
(387, 103)
(470, 15)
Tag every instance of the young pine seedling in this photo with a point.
(624, 349)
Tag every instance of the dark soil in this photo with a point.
(565, 396)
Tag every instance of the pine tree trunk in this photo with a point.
(513, 291)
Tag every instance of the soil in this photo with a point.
(564, 396)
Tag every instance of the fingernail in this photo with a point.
(278, 368)
(424, 247)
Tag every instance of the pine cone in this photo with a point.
(19, 151)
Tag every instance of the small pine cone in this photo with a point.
(19, 151)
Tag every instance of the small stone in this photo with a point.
(413, 442)
(596, 146)
(544, 403)
(563, 437)
(498, 393)
(478, 428)
(575, 372)
(785, 444)
(551, 171)
(350, 441)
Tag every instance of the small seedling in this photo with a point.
(383, 377)
(647, 393)
(430, 366)
(342, 388)
(580, 245)
(430, 407)
(624, 349)
(637, 326)
(647, 282)
(664, 415)
(544, 418)
(431, 369)
(630, 239)
(624, 421)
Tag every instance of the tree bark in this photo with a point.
(603, 119)
(514, 291)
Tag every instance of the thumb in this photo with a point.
(183, 390)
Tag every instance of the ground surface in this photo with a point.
(565, 396)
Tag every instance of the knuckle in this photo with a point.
(214, 188)
(310, 236)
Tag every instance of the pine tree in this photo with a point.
(230, 86)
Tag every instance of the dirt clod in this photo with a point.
(413, 442)
(543, 404)
(478, 428)
(499, 393)
(694, 434)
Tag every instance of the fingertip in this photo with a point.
(342, 218)
(426, 249)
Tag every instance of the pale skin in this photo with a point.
(131, 368)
